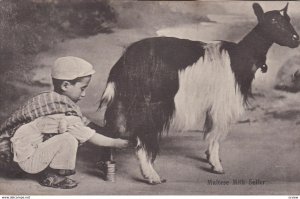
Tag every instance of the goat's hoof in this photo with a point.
(152, 182)
(217, 171)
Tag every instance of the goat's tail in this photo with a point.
(108, 95)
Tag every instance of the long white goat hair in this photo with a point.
(208, 85)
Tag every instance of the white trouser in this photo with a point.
(58, 152)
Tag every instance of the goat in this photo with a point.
(165, 81)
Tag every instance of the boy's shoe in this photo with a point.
(56, 181)
(65, 172)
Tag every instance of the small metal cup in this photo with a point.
(108, 168)
(110, 171)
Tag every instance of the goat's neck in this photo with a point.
(254, 44)
(248, 51)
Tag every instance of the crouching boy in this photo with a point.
(49, 127)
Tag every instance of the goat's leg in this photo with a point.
(213, 155)
(146, 165)
(212, 134)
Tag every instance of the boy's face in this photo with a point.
(76, 91)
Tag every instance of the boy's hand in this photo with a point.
(120, 143)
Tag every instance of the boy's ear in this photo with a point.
(64, 85)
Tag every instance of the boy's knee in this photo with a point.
(69, 140)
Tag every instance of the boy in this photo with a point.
(52, 126)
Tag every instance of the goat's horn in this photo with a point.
(285, 8)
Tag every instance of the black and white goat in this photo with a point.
(166, 81)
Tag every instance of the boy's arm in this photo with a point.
(91, 133)
(102, 140)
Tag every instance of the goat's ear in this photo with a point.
(258, 11)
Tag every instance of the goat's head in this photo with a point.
(275, 25)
